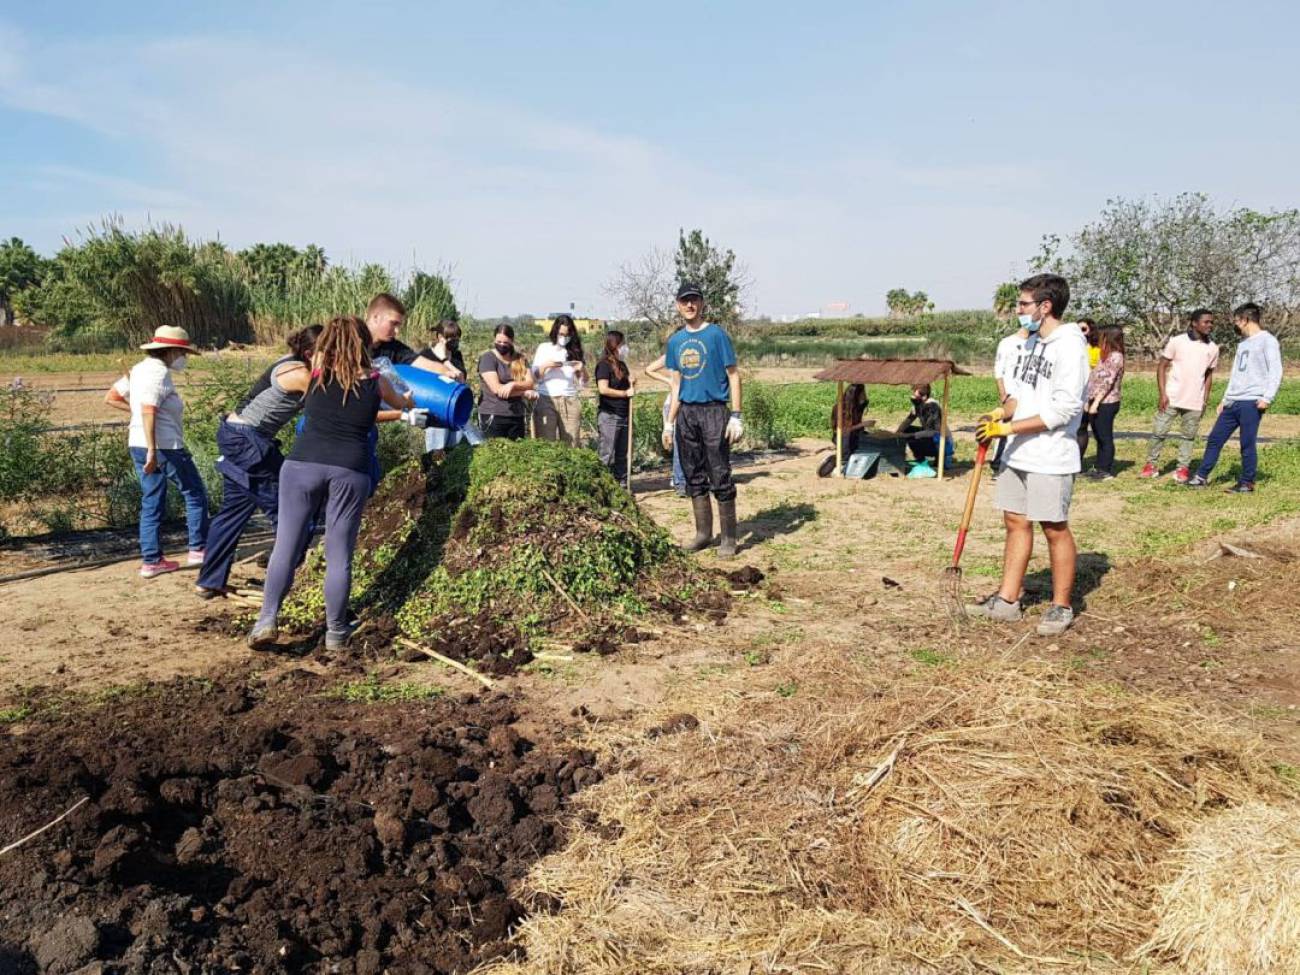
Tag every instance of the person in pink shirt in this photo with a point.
(1183, 376)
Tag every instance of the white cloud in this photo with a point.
(254, 141)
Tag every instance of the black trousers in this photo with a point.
(1102, 425)
(503, 427)
(701, 435)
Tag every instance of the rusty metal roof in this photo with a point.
(890, 372)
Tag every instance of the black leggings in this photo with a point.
(1102, 425)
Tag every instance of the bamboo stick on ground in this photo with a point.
(455, 664)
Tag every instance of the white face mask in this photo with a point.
(622, 352)
(178, 364)
(562, 341)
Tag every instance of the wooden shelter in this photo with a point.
(890, 372)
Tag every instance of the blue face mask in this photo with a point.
(1027, 322)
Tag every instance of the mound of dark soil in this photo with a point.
(273, 830)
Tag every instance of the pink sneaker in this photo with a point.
(151, 569)
(1149, 471)
(195, 557)
(1182, 475)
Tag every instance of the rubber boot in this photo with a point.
(703, 508)
(727, 515)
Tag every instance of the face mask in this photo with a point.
(562, 341)
(918, 400)
(1027, 322)
(178, 364)
(453, 344)
(622, 352)
(505, 348)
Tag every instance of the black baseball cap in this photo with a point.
(688, 290)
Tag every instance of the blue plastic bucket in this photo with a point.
(449, 402)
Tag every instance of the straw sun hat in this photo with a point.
(170, 337)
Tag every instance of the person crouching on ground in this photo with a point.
(1045, 402)
(558, 370)
(329, 462)
(617, 387)
(1256, 377)
(1183, 378)
(156, 440)
(923, 426)
(847, 414)
(701, 362)
(250, 457)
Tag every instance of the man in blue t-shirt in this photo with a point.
(704, 417)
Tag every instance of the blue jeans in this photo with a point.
(178, 467)
(1240, 413)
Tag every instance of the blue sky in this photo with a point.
(840, 149)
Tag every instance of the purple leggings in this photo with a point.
(303, 486)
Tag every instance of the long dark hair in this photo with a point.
(614, 342)
(850, 406)
(1111, 340)
(574, 349)
(303, 342)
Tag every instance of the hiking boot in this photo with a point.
(1196, 481)
(1149, 471)
(702, 507)
(195, 557)
(203, 592)
(263, 637)
(727, 516)
(1242, 487)
(338, 640)
(1182, 475)
(151, 569)
(997, 608)
(1056, 620)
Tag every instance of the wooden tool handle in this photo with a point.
(971, 490)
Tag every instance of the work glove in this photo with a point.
(735, 428)
(417, 417)
(667, 437)
(997, 413)
(992, 430)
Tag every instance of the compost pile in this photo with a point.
(503, 546)
(272, 829)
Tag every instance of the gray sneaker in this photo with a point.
(1056, 620)
(338, 640)
(997, 608)
(263, 637)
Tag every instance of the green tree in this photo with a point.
(716, 273)
(20, 268)
(1005, 298)
(429, 300)
(270, 265)
(1148, 262)
(903, 303)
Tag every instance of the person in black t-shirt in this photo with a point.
(445, 348)
(924, 424)
(329, 464)
(617, 387)
(384, 318)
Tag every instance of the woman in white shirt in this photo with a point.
(558, 367)
(157, 444)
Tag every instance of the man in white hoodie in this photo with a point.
(1044, 402)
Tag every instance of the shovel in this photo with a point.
(952, 574)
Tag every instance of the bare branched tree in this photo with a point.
(645, 288)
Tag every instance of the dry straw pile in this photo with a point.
(956, 820)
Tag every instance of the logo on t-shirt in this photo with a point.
(692, 357)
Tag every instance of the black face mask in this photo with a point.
(453, 344)
(918, 400)
(504, 349)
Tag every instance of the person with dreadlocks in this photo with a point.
(329, 463)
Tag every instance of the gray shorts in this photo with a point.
(1039, 497)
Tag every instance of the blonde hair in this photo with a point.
(342, 354)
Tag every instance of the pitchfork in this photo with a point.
(952, 574)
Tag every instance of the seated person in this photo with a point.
(851, 406)
(923, 425)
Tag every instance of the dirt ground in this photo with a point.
(850, 567)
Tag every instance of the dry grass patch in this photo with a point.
(955, 820)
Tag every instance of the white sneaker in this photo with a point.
(195, 557)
